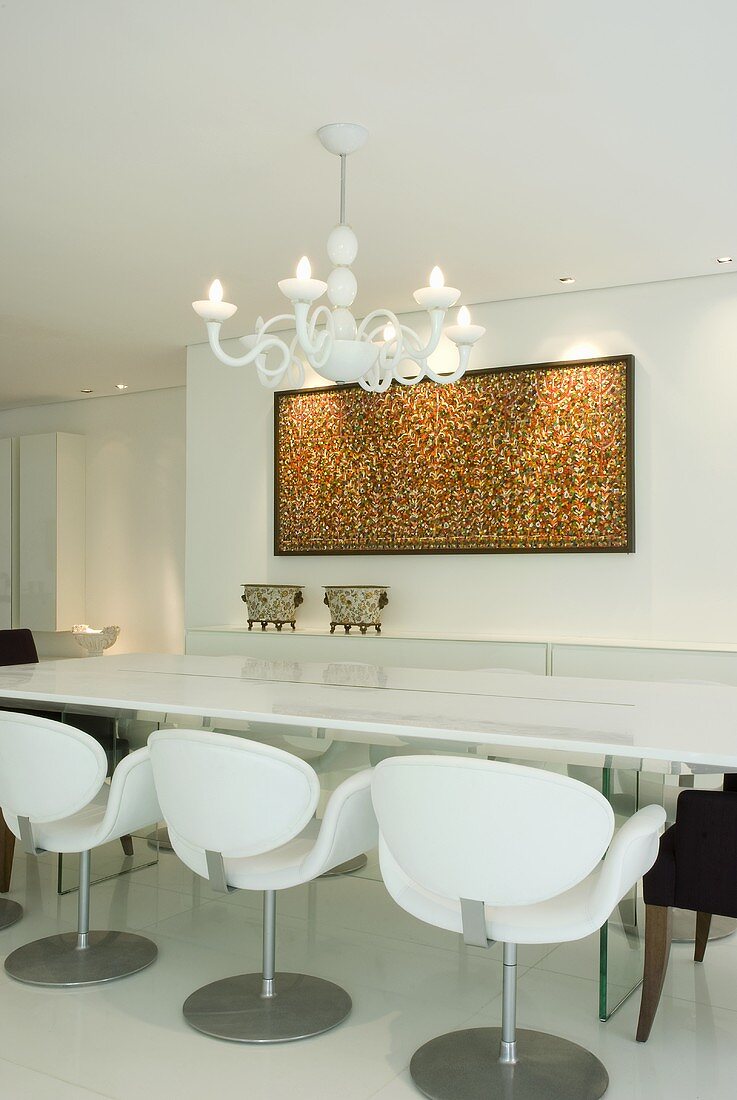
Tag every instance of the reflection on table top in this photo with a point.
(655, 721)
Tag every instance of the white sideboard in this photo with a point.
(590, 657)
(391, 649)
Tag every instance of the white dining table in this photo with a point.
(611, 725)
(661, 726)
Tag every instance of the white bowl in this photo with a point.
(95, 641)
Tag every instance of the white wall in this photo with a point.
(681, 584)
(135, 503)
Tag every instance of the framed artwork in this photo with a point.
(527, 459)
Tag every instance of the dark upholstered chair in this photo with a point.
(696, 869)
(17, 647)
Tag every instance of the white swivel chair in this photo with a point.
(240, 814)
(501, 852)
(54, 798)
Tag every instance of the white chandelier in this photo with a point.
(376, 352)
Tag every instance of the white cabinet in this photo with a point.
(6, 533)
(646, 661)
(51, 563)
(397, 651)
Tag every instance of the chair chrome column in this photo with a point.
(10, 913)
(484, 1062)
(269, 1007)
(82, 957)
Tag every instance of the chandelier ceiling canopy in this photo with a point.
(375, 352)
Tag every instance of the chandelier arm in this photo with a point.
(296, 367)
(404, 381)
(374, 382)
(391, 363)
(297, 373)
(271, 342)
(464, 354)
(270, 379)
(319, 352)
(437, 316)
(317, 313)
(387, 358)
(370, 317)
(264, 326)
(326, 338)
(276, 373)
(411, 337)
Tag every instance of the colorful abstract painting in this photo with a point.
(516, 459)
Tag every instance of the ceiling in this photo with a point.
(149, 146)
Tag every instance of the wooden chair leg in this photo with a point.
(7, 848)
(127, 843)
(703, 924)
(658, 931)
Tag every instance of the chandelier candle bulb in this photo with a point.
(437, 295)
(213, 308)
(464, 332)
(304, 288)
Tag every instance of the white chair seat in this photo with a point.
(276, 870)
(347, 828)
(121, 807)
(572, 915)
(71, 834)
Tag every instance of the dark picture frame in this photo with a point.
(617, 416)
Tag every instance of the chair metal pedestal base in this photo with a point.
(58, 961)
(684, 926)
(10, 912)
(464, 1065)
(347, 868)
(235, 1009)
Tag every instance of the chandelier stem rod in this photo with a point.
(342, 188)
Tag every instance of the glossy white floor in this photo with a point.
(408, 981)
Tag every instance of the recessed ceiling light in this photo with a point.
(566, 279)
(724, 259)
(121, 386)
(86, 391)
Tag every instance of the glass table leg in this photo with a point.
(622, 938)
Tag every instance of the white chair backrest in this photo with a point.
(225, 794)
(486, 831)
(48, 770)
